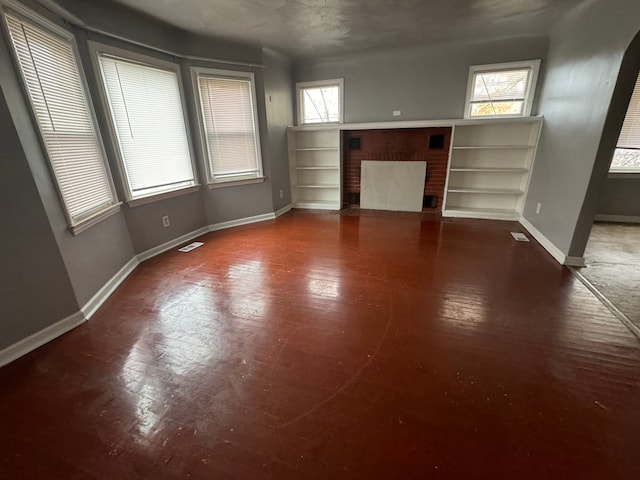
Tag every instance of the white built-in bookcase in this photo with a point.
(489, 168)
(315, 167)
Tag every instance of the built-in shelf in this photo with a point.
(489, 169)
(314, 165)
(318, 168)
(318, 185)
(490, 147)
(488, 178)
(317, 205)
(486, 191)
(488, 213)
(317, 149)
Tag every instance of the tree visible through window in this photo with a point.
(501, 90)
(320, 102)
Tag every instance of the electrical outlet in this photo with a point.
(397, 113)
(165, 221)
(281, 193)
(538, 207)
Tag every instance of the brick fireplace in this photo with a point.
(401, 145)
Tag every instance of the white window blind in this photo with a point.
(56, 90)
(630, 133)
(228, 115)
(147, 114)
(627, 154)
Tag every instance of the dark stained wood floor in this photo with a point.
(328, 346)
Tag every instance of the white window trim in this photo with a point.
(300, 86)
(231, 180)
(534, 65)
(78, 226)
(95, 49)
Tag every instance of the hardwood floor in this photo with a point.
(613, 266)
(326, 346)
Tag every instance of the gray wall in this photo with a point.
(620, 196)
(35, 290)
(423, 82)
(278, 86)
(585, 55)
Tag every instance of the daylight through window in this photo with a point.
(49, 67)
(320, 102)
(147, 114)
(627, 154)
(501, 90)
(229, 124)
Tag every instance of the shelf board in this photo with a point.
(491, 147)
(310, 204)
(489, 169)
(317, 149)
(318, 185)
(486, 191)
(488, 213)
(318, 168)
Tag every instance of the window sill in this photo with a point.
(635, 175)
(94, 219)
(135, 202)
(233, 183)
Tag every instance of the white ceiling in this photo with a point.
(329, 27)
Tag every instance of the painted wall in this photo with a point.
(278, 86)
(35, 290)
(620, 196)
(585, 55)
(423, 82)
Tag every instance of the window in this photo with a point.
(320, 102)
(48, 63)
(501, 90)
(229, 125)
(148, 120)
(626, 158)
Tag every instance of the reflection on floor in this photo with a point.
(613, 266)
(328, 346)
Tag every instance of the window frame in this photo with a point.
(333, 82)
(96, 49)
(242, 178)
(25, 14)
(532, 65)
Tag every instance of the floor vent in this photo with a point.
(190, 247)
(520, 237)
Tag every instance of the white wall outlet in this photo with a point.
(281, 193)
(397, 113)
(538, 206)
(165, 221)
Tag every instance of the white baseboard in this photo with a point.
(241, 221)
(283, 210)
(618, 218)
(108, 288)
(561, 257)
(152, 252)
(30, 343)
